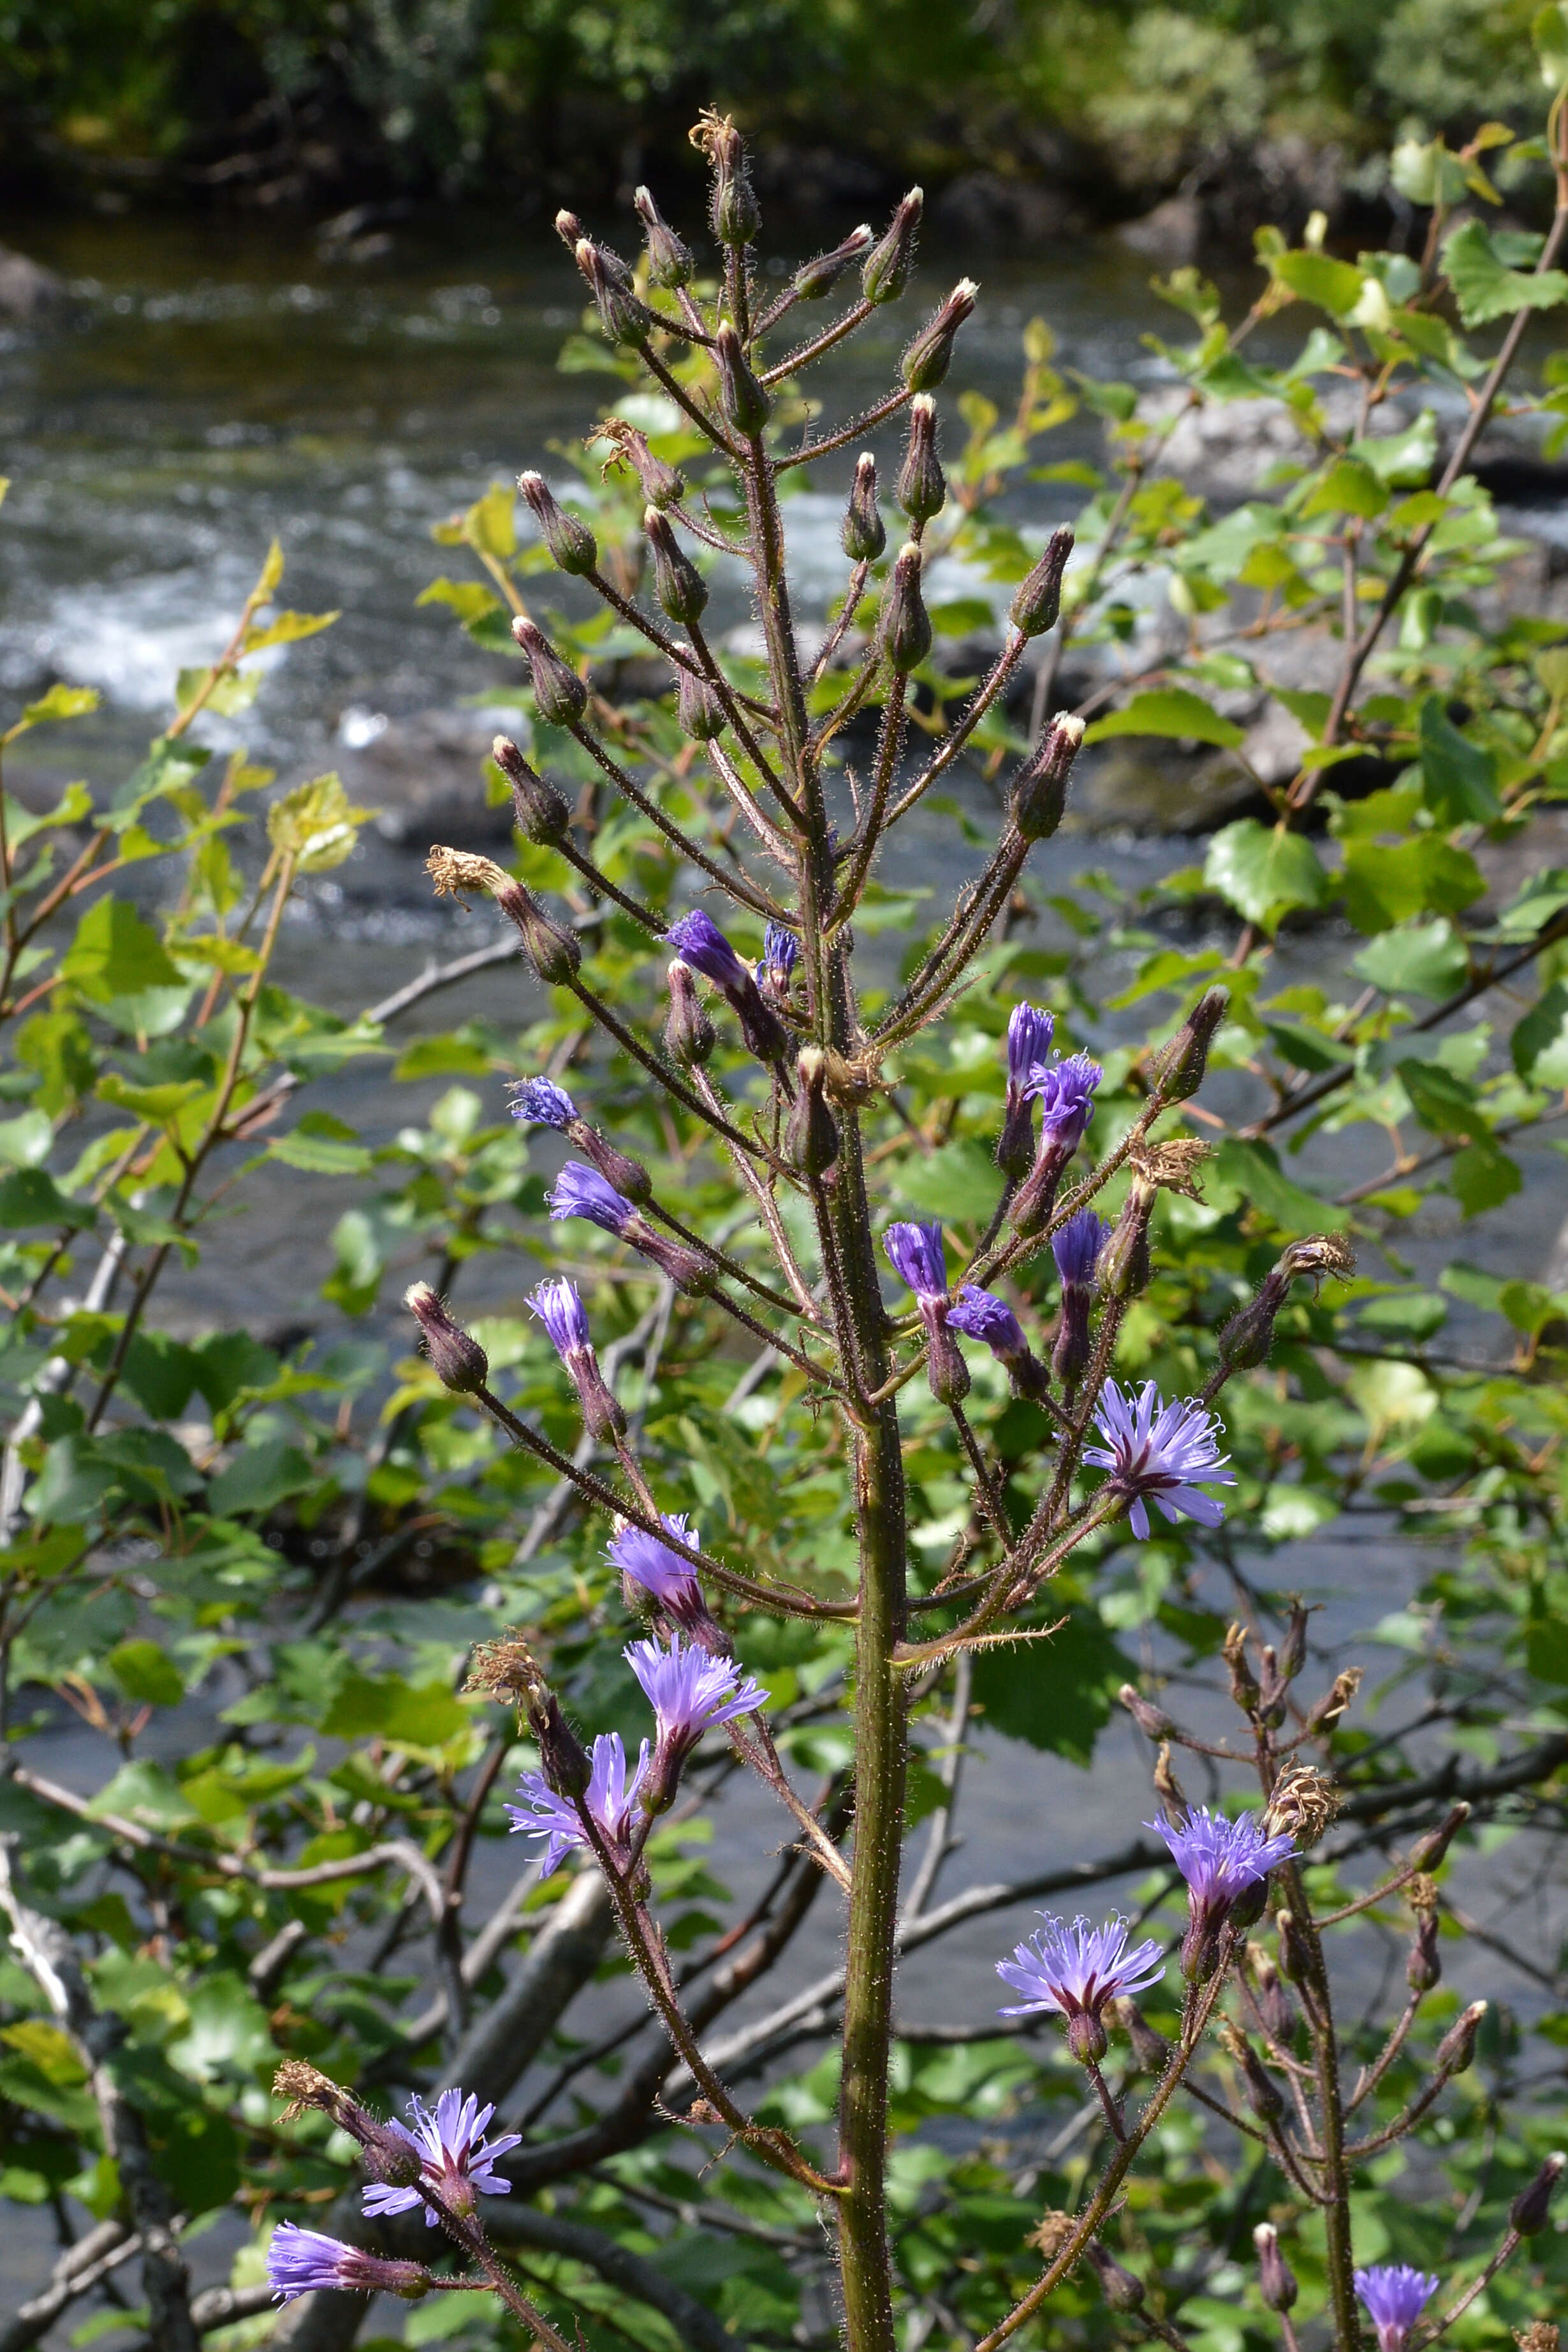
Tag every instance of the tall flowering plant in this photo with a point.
(868, 1312)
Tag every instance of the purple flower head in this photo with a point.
(1076, 1247)
(1029, 1033)
(609, 1797)
(1159, 1449)
(982, 1315)
(1065, 1090)
(1394, 2296)
(780, 953)
(542, 1103)
(662, 1574)
(697, 940)
(1076, 1972)
(917, 1256)
(583, 1191)
(455, 2157)
(303, 2262)
(1221, 1859)
(560, 1307)
(689, 1692)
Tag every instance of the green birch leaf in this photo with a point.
(1264, 871)
(1169, 710)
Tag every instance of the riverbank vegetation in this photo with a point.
(1116, 102)
(1003, 1331)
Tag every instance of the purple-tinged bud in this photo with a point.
(1121, 2290)
(678, 584)
(811, 1135)
(1429, 1852)
(560, 694)
(1295, 1958)
(1264, 2095)
(1293, 1648)
(1039, 788)
(906, 623)
(670, 261)
(571, 544)
(1151, 1720)
(922, 489)
(780, 954)
(1275, 2006)
(622, 318)
(1122, 1269)
(1038, 598)
(1457, 2050)
(742, 401)
(556, 955)
(1276, 2280)
(698, 708)
(930, 355)
(629, 1176)
(1086, 2037)
(1423, 1967)
(863, 536)
(688, 1033)
(458, 1361)
(558, 1306)
(891, 258)
(1185, 1058)
(1150, 2049)
(692, 1274)
(541, 814)
(732, 206)
(569, 230)
(1531, 2209)
(822, 274)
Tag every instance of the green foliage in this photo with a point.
(196, 1519)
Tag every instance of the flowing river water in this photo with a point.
(210, 387)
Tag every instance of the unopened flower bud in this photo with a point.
(1151, 1720)
(698, 708)
(822, 272)
(921, 490)
(1276, 2280)
(560, 694)
(906, 623)
(1243, 1681)
(571, 544)
(1150, 2049)
(1264, 2095)
(688, 1032)
(670, 262)
(1275, 2006)
(1295, 1958)
(891, 258)
(930, 355)
(811, 1136)
(1457, 2050)
(563, 1759)
(1531, 2208)
(1424, 1967)
(742, 401)
(541, 814)
(1121, 2290)
(1039, 788)
(1122, 1269)
(1293, 1649)
(1087, 2038)
(863, 536)
(678, 584)
(1430, 1852)
(622, 318)
(732, 206)
(946, 1373)
(458, 1361)
(1038, 601)
(691, 1272)
(1180, 1071)
(629, 1176)
(569, 229)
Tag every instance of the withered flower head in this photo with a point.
(505, 1669)
(1171, 1166)
(1303, 1804)
(1054, 2231)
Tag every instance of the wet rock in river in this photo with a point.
(27, 288)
